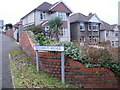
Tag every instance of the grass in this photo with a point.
(26, 76)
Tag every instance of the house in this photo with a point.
(85, 29)
(47, 11)
(17, 30)
(109, 33)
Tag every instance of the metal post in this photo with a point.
(62, 67)
(37, 61)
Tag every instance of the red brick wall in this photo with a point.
(27, 45)
(10, 32)
(75, 72)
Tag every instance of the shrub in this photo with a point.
(42, 40)
(101, 58)
(71, 50)
(35, 29)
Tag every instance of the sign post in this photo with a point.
(37, 61)
(52, 48)
(62, 67)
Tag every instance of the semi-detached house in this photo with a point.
(109, 33)
(47, 11)
(85, 29)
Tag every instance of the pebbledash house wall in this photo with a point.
(75, 72)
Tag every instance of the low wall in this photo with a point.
(10, 32)
(75, 72)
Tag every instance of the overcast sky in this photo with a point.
(107, 10)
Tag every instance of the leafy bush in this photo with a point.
(101, 58)
(36, 29)
(71, 50)
(42, 40)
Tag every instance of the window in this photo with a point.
(93, 26)
(116, 34)
(112, 43)
(90, 26)
(107, 33)
(62, 15)
(82, 26)
(42, 15)
(46, 28)
(63, 32)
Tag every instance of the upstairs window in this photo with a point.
(42, 15)
(62, 15)
(90, 26)
(82, 26)
(116, 34)
(93, 26)
(107, 33)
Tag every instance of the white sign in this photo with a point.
(49, 48)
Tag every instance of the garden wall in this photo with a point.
(75, 72)
(10, 32)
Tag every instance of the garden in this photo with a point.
(89, 56)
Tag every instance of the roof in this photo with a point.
(105, 26)
(78, 17)
(113, 26)
(45, 6)
(60, 6)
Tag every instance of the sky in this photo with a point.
(11, 11)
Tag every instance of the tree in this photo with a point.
(36, 29)
(55, 25)
(8, 26)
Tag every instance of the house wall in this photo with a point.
(94, 19)
(75, 32)
(28, 20)
(75, 72)
(102, 36)
(15, 34)
(38, 21)
(66, 35)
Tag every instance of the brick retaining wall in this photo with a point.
(75, 72)
(10, 32)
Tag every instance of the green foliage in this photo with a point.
(26, 76)
(72, 50)
(8, 26)
(55, 25)
(101, 58)
(42, 40)
(36, 29)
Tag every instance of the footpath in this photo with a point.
(8, 44)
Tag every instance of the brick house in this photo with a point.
(47, 11)
(109, 33)
(85, 29)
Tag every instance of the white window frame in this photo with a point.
(42, 16)
(64, 31)
(107, 32)
(95, 25)
(62, 15)
(92, 25)
(82, 26)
